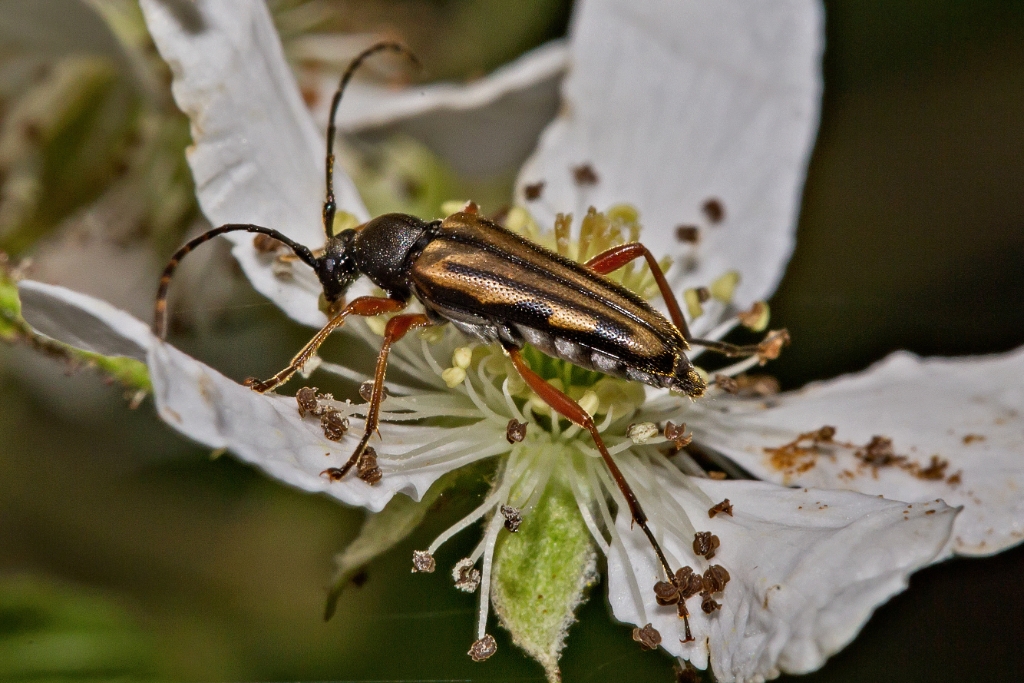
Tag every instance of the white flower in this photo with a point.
(696, 114)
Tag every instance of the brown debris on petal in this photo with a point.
(771, 346)
(703, 294)
(935, 470)
(423, 562)
(725, 507)
(483, 648)
(533, 191)
(513, 517)
(367, 469)
(516, 431)
(689, 234)
(714, 210)
(715, 578)
(705, 544)
(366, 390)
(648, 637)
(466, 576)
(677, 434)
(334, 424)
(308, 403)
(265, 244)
(727, 384)
(717, 475)
(878, 452)
(708, 604)
(584, 174)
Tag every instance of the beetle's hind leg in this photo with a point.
(396, 328)
(571, 410)
(616, 257)
(364, 306)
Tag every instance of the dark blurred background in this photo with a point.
(137, 555)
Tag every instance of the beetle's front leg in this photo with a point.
(363, 306)
(396, 328)
(616, 257)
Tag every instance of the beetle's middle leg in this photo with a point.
(571, 410)
(396, 328)
(616, 257)
(364, 306)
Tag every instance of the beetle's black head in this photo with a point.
(336, 269)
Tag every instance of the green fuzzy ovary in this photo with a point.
(541, 573)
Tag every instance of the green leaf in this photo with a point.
(55, 632)
(541, 574)
(380, 533)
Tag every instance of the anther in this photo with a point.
(727, 384)
(308, 402)
(677, 434)
(694, 303)
(265, 244)
(483, 649)
(516, 431)
(642, 432)
(725, 286)
(714, 210)
(666, 593)
(584, 174)
(715, 578)
(513, 517)
(423, 562)
(466, 576)
(705, 544)
(708, 604)
(756, 318)
(648, 637)
(689, 234)
(725, 507)
(367, 469)
(771, 346)
(334, 424)
(688, 582)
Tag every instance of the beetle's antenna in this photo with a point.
(160, 308)
(329, 206)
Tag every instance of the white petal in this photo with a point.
(263, 429)
(675, 102)
(969, 412)
(808, 567)
(83, 321)
(482, 128)
(257, 156)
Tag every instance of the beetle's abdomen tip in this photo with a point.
(687, 379)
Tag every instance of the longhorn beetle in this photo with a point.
(497, 287)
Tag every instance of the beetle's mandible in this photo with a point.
(497, 287)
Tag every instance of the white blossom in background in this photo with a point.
(696, 114)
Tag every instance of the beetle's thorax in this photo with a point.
(383, 249)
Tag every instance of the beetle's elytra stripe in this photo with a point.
(513, 248)
(487, 285)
